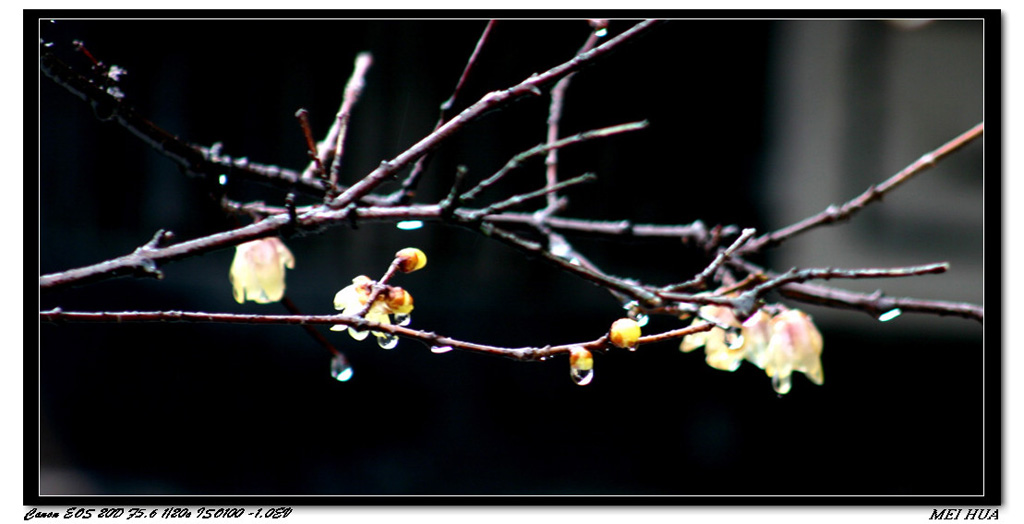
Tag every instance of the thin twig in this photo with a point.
(555, 116)
(513, 201)
(405, 193)
(702, 278)
(491, 101)
(646, 297)
(746, 303)
(540, 149)
(873, 304)
(874, 193)
(335, 141)
(322, 340)
(528, 353)
(379, 286)
(307, 132)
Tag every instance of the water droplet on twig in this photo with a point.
(440, 349)
(889, 315)
(387, 340)
(340, 368)
(581, 377)
(358, 335)
(409, 225)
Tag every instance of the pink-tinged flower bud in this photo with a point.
(624, 333)
(257, 271)
(796, 345)
(411, 259)
(757, 332)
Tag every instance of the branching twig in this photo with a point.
(408, 189)
(873, 304)
(340, 207)
(515, 200)
(746, 303)
(430, 339)
(648, 298)
(490, 102)
(538, 150)
(555, 114)
(702, 278)
(334, 143)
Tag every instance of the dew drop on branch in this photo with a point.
(402, 320)
(409, 225)
(889, 315)
(387, 340)
(581, 377)
(440, 349)
(340, 369)
(358, 335)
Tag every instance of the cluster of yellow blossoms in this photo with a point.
(779, 344)
(257, 274)
(393, 302)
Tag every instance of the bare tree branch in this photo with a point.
(528, 353)
(874, 193)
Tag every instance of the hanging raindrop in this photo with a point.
(641, 319)
(581, 365)
(581, 377)
(402, 320)
(386, 340)
(440, 349)
(340, 368)
(734, 338)
(889, 315)
(409, 225)
(358, 335)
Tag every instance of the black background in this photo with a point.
(236, 409)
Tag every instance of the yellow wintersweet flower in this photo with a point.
(257, 271)
(722, 350)
(393, 300)
(795, 345)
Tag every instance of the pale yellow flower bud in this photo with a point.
(581, 359)
(257, 271)
(624, 333)
(411, 259)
